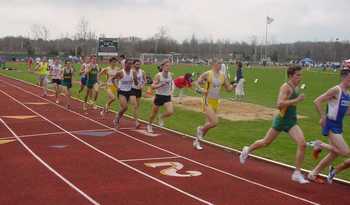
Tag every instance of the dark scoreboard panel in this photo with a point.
(107, 46)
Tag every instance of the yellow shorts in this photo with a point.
(209, 102)
(112, 89)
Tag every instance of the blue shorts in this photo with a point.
(83, 80)
(336, 128)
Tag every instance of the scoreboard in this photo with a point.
(107, 47)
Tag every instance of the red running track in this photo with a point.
(111, 169)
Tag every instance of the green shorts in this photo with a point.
(283, 124)
(90, 84)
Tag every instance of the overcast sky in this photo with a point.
(236, 20)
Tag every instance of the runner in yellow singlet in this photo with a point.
(111, 89)
(210, 84)
(42, 70)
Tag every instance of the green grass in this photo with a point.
(238, 134)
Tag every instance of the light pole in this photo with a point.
(269, 20)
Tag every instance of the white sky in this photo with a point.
(235, 20)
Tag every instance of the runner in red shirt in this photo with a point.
(184, 81)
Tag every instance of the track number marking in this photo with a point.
(172, 169)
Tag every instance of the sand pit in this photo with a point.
(231, 110)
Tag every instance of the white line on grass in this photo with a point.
(109, 156)
(48, 166)
(169, 152)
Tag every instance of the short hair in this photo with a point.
(239, 64)
(136, 61)
(344, 72)
(113, 59)
(215, 61)
(122, 56)
(292, 69)
(164, 62)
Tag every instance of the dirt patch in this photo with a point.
(231, 110)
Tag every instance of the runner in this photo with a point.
(42, 69)
(212, 80)
(162, 83)
(126, 78)
(110, 72)
(182, 82)
(331, 121)
(91, 82)
(56, 75)
(83, 76)
(136, 91)
(285, 120)
(67, 75)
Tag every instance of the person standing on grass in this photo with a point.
(42, 68)
(110, 72)
(67, 75)
(285, 120)
(239, 91)
(209, 84)
(136, 90)
(162, 83)
(30, 64)
(338, 99)
(126, 78)
(56, 75)
(83, 75)
(181, 82)
(92, 82)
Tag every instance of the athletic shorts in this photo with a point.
(283, 124)
(336, 128)
(83, 80)
(160, 100)
(42, 78)
(92, 84)
(136, 92)
(112, 89)
(213, 103)
(126, 94)
(56, 81)
(67, 83)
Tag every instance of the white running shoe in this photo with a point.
(116, 121)
(244, 154)
(57, 102)
(160, 121)
(149, 128)
(331, 175)
(297, 176)
(197, 145)
(199, 133)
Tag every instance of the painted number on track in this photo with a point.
(172, 169)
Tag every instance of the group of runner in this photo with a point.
(126, 81)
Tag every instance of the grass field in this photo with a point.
(238, 134)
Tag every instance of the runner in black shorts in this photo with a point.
(163, 84)
(136, 90)
(126, 78)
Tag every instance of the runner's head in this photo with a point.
(345, 77)
(294, 74)
(188, 77)
(93, 59)
(137, 64)
(165, 65)
(128, 64)
(68, 63)
(113, 61)
(215, 65)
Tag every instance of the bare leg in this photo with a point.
(297, 135)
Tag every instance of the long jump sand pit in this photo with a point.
(231, 110)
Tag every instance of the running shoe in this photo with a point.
(244, 154)
(331, 175)
(297, 176)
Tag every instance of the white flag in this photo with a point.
(269, 20)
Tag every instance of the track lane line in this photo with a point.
(107, 155)
(145, 159)
(90, 199)
(168, 151)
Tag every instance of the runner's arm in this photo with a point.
(200, 82)
(156, 83)
(328, 95)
